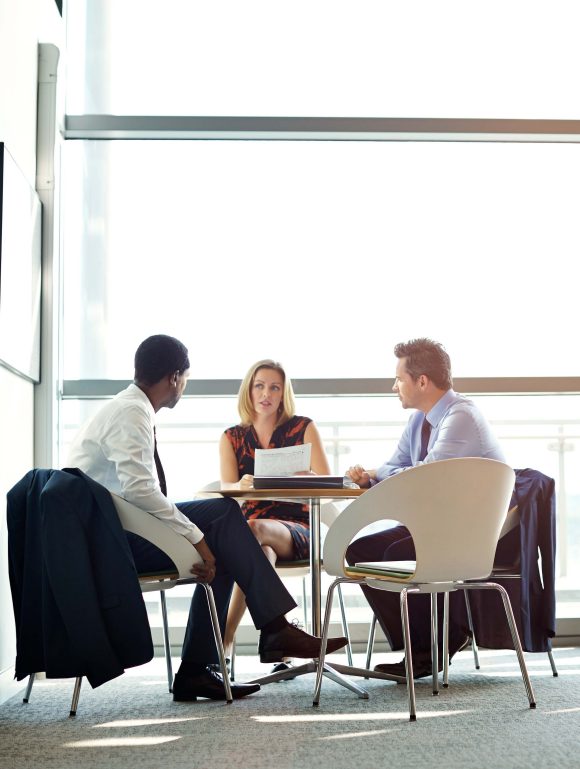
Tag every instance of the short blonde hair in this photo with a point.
(245, 407)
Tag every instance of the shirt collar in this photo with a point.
(137, 392)
(435, 415)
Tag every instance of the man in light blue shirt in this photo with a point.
(444, 426)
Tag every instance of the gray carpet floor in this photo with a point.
(482, 720)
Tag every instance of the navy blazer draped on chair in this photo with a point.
(531, 548)
(78, 606)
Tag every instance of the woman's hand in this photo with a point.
(246, 482)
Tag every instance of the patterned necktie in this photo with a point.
(159, 466)
(425, 435)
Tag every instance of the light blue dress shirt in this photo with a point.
(458, 429)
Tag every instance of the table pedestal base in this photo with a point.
(335, 672)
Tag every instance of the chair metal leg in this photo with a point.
(445, 640)
(515, 636)
(434, 644)
(408, 655)
(166, 643)
(334, 673)
(472, 631)
(233, 662)
(325, 627)
(344, 625)
(31, 678)
(75, 697)
(305, 603)
(218, 641)
(371, 641)
(552, 664)
(474, 642)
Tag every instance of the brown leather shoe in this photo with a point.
(421, 667)
(293, 642)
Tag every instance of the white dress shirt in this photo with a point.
(115, 448)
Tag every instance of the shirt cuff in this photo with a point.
(194, 536)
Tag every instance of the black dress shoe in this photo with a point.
(282, 667)
(459, 646)
(187, 688)
(293, 642)
(218, 668)
(421, 667)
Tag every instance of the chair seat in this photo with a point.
(506, 571)
(305, 563)
(158, 575)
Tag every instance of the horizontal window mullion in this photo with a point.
(106, 388)
(108, 127)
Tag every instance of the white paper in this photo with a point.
(286, 461)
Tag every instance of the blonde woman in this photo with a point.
(268, 421)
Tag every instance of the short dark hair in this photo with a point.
(424, 356)
(157, 357)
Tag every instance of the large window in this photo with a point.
(372, 58)
(371, 172)
(323, 254)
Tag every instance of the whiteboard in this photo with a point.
(20, 270)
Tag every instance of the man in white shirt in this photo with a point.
(117, 448)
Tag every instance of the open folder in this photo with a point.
(298, 481)
(396, 568)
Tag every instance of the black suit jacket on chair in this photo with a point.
(531, 548)
(77, 603)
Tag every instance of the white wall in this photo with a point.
(16, 420)
(23, 25)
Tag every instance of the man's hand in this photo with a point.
(205, 571)
(360, 476)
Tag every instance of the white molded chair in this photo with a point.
(511, 522)
(183, 555)
(454, 510)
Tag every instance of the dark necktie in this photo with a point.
(159, 466)
(425, 434)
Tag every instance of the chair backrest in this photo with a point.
(178, 548)
(454, 510)
(512, 520)
(329, 512)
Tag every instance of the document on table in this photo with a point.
(286, 461)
